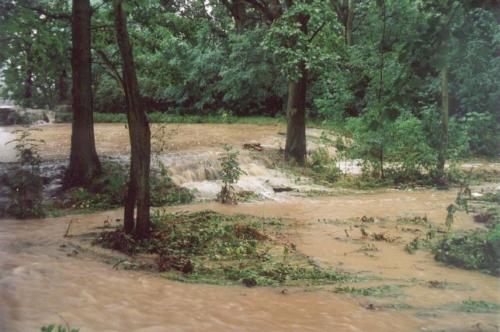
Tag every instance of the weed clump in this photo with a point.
(474, 250)
(378, 291)
(25, 183)
(58, 328)
(214, 248)
(480, 306)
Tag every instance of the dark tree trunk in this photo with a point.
(295, 148)
(237, 9)
(84, 164)
(140, 136)
(62, 86)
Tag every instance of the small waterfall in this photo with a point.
(201, 172)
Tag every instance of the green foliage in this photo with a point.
(58, 328)
(159, 117)
(209, 247)
(25, 182)
(378, 291)
(480, 306)
(231, 172)
(35, 54)
(324, 166)
(478, 250)
(482, 133)
(383, 86)
(399, 146)
(109, 190)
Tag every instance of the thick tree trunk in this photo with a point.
(84, 164)
(140, 135)
(444, 122)
(295, 148)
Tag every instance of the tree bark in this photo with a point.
(237, 9)
(140, 136)
(84, 164)
(444, 121)
(295, 148)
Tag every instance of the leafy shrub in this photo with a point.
(482, 132)
(478, 250)
(325, 166)
(231, 172)
(25, 184)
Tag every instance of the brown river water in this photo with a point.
(43, 281)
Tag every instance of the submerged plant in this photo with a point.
(58, 328)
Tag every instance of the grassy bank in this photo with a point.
(159, 117)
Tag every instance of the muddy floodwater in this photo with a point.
(44, 279)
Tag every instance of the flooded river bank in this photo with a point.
(45, 278)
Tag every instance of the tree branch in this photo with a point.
(111, 66)
(42, 11)
(317, 31)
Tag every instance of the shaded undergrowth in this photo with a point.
(109, 190)
(213, 248)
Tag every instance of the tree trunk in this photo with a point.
(237, 9)
(140, 136)
(444, 122)
(84, 164)
(380, 93)
(348, 23)
(295, 148)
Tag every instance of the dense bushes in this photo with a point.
(400, 145)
